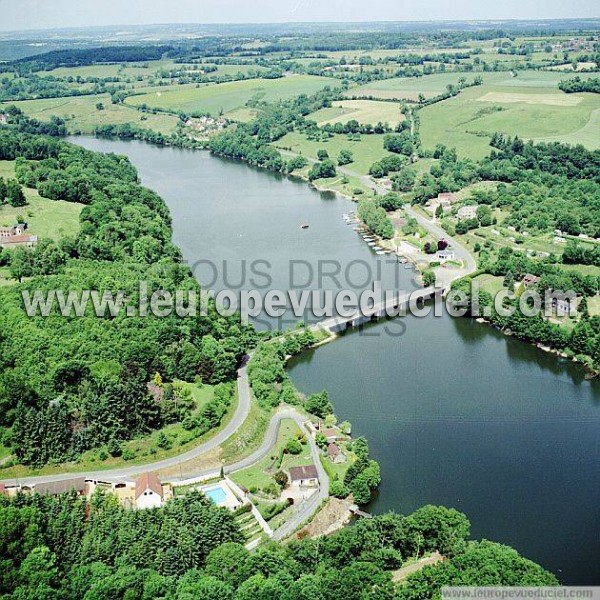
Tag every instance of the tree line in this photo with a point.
(61, 547)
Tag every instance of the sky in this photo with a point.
(46, 14)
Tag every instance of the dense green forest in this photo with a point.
(58, 547)
(89, 56)
(63, 388)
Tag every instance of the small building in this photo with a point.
(148, 491)
(446, 198)
(331, 433)
(467, 212)
(62, 486)
(15, 241)
(18, 229)
(530, 280)
(444, 255)
(3, 119)
(304, 476)
(335, 454)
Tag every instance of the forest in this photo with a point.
(59, 547)
(63, 389)
(89, 56)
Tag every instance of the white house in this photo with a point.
(444, 255)
(304, 476)
(467, 212)
(148, 491)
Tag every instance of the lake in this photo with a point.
(455, 412)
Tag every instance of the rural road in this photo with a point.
(240, 415)
(445, 278)
(304, 509)
(470, 266)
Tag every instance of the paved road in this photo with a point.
(240, 415)
(459, 250)
(305, 509)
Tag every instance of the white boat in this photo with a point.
(380, 252)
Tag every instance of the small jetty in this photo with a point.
(354, 509)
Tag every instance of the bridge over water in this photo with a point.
(389, 307)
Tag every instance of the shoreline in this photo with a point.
(324, 188)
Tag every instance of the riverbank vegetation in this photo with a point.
(60, 547)
(63, 390)
(420, 112)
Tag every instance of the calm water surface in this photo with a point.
(455, 412)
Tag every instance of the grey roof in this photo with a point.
(54, 488)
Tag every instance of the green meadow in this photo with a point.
(225, 97)
(409, 88)
(363, 111)
(81, 113)
(529, 105)
(366, 151)
(51, 219)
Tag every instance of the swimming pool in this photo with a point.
(216, 494)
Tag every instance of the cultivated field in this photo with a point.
(529, 105)
(547, 99)
(225, 97)
(81, 113)
(409, 88)
(363, 111)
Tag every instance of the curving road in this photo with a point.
(304, 510)
(470, 265)
(239, 416)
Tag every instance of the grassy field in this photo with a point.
(489, 283)
(261, 474)
(409, 88)
(47, 218)
(81, 113)
(363, 111)
(229, 96)
(242, 115)
(248, 437)
(145, 448)
(529, 105)
(366, 151)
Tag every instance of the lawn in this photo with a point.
(489, 283)
(82, 116)
(363, 111)
(248, 437)
(261, 474)
(594, 306)
(366, 151)
(529, 105)
(583, 269)
(225, 97)
(46, 218)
